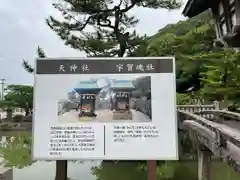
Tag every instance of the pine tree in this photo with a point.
(40, 53)
(101, 27)
(27, 66)
(221, 77)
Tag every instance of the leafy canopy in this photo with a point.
(20, 96)
(183, 39)
(221, 77)
(213, 72)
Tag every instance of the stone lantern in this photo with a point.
(226, 14)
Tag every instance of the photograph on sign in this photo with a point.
(105, 108)
(107, 100)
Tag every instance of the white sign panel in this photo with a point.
(93, 125)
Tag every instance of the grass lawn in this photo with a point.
(188, 171)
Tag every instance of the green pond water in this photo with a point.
(16, 154)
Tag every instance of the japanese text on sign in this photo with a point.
(119, 67)
(108, 66)
(81, 138)
(73, 68)
(138, 67)
(123, 132)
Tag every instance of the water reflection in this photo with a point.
(15, 150)
(46, 171)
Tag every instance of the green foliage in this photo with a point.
(16, 152)
(220, 75)
(6, 104)
(172, 170)
(189, 98)
(184, 39)
(183, 99)
(165, 171)
(20, 96)
(108, 170)
(140, 50)
(18, 118)
(109, 23)
(212, 72)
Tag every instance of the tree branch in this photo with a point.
(78, 23)
(27, 67)
(105, 25)
(119, 5)
(87, 9)
(129, 7)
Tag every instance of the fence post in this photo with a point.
(61, 170)
(9, 114)
(204, 164)
(216, 105)
(152, 169)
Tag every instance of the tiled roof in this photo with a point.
(122, 84)
(83, 86)
(90, 84)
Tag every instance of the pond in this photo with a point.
(16, 154)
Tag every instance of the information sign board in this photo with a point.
(77, 115)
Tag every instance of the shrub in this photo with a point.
(27, 118)
(18, 118)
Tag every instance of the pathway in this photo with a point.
(103, 115)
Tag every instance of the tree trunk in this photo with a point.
(26, 111)
(9, 114)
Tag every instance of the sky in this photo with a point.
(23, 28)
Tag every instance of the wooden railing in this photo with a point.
(199, 107)
(213, 135)
(144, 106)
